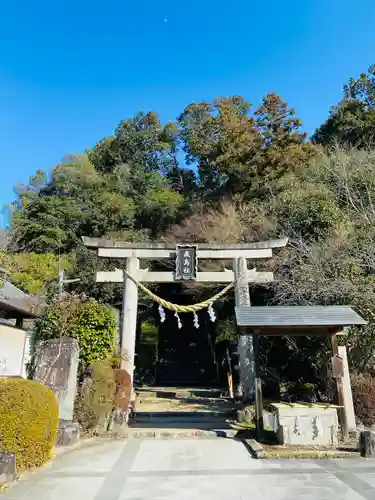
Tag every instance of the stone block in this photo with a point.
(255, 448)
(7, 467)
(306, 425)
(246, 414)
(68, 433)
(367, 444)
(119, 423)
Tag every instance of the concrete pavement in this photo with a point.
(206, 468)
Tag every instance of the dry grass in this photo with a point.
(307, 452)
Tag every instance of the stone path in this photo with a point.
(206, 469)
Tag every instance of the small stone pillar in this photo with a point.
(367, 444)
(123, 403)
(56, 367)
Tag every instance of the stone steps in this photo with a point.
(170, 393)
(178, 423)
(181, 412)
(178, 433)
(191, 416)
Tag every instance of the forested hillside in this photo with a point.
(228, 172)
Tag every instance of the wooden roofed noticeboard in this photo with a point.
(297, 320)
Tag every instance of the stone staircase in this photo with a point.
(176, 412)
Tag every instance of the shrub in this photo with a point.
(115, 361)
(94, 402)
(29, 417)
(91, 323)
(363, 388)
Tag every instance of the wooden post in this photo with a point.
(340, 391)
(230, 375)
(258, 389)
(348, 396)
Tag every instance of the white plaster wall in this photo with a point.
(12, 348)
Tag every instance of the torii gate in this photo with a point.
(133, 252)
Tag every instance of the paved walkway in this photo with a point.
(186, 469)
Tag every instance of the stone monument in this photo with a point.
(56, 367)
(367, 443)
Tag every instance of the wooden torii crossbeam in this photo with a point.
(133, 252)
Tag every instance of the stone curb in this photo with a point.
(82, 442)
(254, 448)
(177, 434)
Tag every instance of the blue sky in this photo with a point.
(71, 70)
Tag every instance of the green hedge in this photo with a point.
(29, 418)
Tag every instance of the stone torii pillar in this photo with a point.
(245, 342)
(132, 253)
(129, 317)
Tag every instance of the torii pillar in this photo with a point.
(245, 342)
(129, 318)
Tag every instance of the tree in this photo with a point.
(160, 208)
(351, 122)
(181, 179)
(220, 138)
(48, 223)
(140, 140)
(230, 222)
(338, 267)
(77, 200)
(305, 210)
(34, 273)
(85, 265)
(284, 146)
(241, 153)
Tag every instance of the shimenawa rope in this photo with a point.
(183, 309)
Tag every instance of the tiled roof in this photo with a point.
(281, 316)
(12, 299)
(9, 291)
